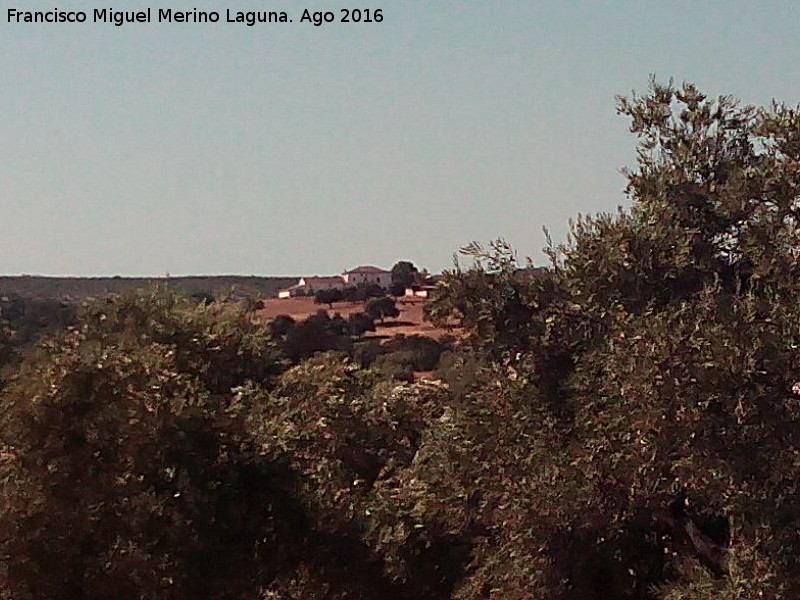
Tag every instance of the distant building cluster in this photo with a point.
(365, 275)
(360, 276)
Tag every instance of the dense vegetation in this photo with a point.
(80, 288)
(621, 425)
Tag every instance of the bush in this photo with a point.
(8, 349)
(380, 308)
(659, 357)
(32, 318)
(359, 324)
(328, 297)
(461, 370)
(280, 326)
(423, 352)
(414, 353)
(124, 470)
(398, 290)
(404, 273)
(317, 333)
(365, 352)
(362, 292)
(396, 365)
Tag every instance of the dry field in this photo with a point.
(410, 321)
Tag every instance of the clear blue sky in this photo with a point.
(293, 149)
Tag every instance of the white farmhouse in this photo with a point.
(366, 275)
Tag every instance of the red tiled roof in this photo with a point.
(313, 280)
(366, 269)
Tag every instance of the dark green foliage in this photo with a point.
(396, 365)
(79, 289)
(8, 348)
(217, 343)
(399, 357)
(339, 326)
(423, 352)
(281, 325)
(461, 370)
(397, 289)
(124, 472)
(30, 318)
(317, 333)
(401, 354)
(404, 273)
(661, 347)
(380, 308)
(499, 307)
(359, 323)
(362, 292)
(366, 351)
(328, 297)
(355, 442)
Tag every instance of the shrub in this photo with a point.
(359, 323)
(423, 352)
(380, 308)
(124, 470)
(328, 297)
(396, 365)
(317, 333)
(397, 289)
(281, 325)
(362, 292)
(659, 355)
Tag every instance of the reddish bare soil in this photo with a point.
(410, 321)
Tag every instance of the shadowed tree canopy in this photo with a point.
(662, 343)
(404, 273)
(380, 308)
(328, 297)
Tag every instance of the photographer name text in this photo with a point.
(251, 18)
